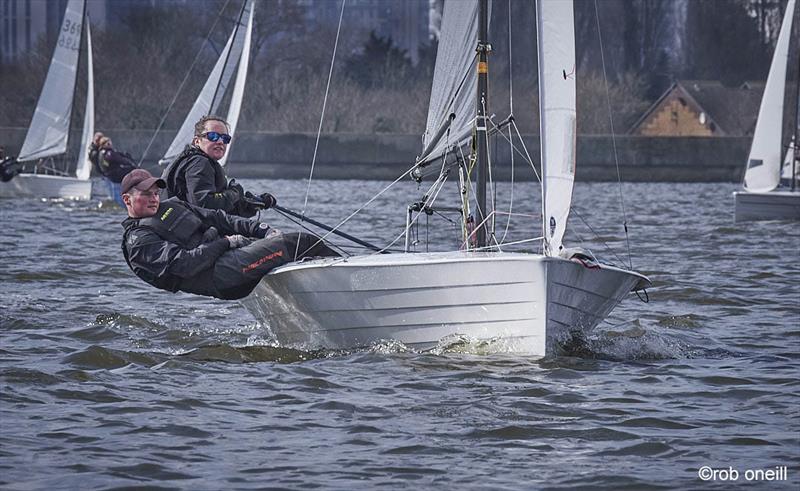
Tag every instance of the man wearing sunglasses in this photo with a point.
(176, 246)
(197, 177)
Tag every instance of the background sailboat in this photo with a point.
(762, 198)
(236, 53)
(47, 171)
(528, 302)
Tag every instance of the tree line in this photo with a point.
(640, 48)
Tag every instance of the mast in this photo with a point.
(227, 56)
(483, 50)
(796, 155)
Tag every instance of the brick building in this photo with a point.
(702, 108)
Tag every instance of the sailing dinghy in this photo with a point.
(763, 196)
(47, 173)
(526, 302)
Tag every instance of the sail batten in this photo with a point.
(557, 115)
(49, 129)
(764, 162)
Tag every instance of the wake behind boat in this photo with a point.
(530, 302)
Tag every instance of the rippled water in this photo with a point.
(108, 383)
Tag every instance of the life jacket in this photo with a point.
(175, 174)
(173, 223)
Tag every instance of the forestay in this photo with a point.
(216, 85)
(49, 129)
(84, 168)
(764, 162)
(556, 36)
(454, 79)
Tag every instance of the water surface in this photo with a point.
(108, 383)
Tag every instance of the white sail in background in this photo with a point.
(764, 163)
(49, 128)
(201, 107)
(84, 168)
(455, 80)
(241, 74)
(556, 34)
(786, 173)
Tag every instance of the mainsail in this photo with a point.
(49, 129)
(764, 163)
(557, 116)
(84, 168)
(454, 80)
(217, 83)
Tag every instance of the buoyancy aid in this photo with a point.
(175, 175)
(173, 223)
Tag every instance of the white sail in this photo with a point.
(202, 106)
(454, 79)
(786, 172)
(49, 129)
(84, 168)
(556, 34)
(241, 75)
(764, 163)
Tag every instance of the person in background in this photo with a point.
(197, 177)
(111, 164)
(176, 246)
(9, 167)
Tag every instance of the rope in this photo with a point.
(180, 87)
(322, 116)
(597, 236)
(346, 219)
(613, 137)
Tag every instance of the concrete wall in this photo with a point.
(384, 156)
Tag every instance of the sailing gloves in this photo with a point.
(268, 200)
(236, 241)
(236, 188)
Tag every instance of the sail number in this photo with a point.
(70, 37)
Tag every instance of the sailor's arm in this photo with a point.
(148, 251)
(201, 187)
(227, 224)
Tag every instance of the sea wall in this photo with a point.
(386, 156)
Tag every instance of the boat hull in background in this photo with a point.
(771, 205)
(529, 303)
(46, 186)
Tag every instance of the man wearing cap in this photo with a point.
(196, 176)
(176, 246)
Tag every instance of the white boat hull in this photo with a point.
(772, 205)
(46, 186)
(528, 302)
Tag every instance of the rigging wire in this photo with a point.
(322, 116)
(361, 208)
(511, 112)
(183, 82)
(580, 239)
(613, 136)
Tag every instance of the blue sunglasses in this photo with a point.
(213, 136)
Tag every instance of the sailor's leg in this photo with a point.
(238, 271)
